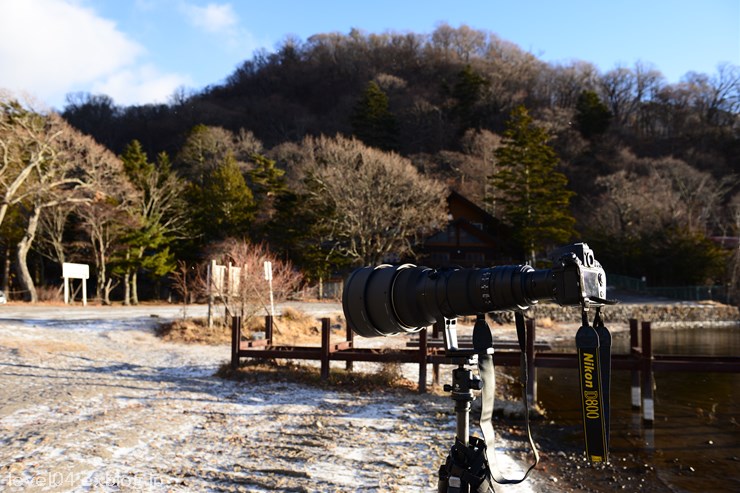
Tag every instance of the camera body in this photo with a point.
(387, 300)
(579, 277)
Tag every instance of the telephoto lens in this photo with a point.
(387, 300)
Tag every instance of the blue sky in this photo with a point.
(142, 51)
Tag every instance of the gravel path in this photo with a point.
(98, 403)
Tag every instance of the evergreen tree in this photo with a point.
(265, 178)
(224, 205)
(468, 91)
(267, 183)
(372, 121)
(592, 115)
(296, 230)
(136, 163)
(533, 193)
(159, 219)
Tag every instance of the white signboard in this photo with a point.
(234, 280)
(268, 278)
(218, 278)
(75, 271)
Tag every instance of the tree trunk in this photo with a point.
(6, 272)
(134, 289)
(127, 288)
(24, 276)
(109, 286)
(100, 290)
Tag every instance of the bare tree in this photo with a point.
(52, 226)
(566, 82)
(27, 141)
(206, 148)
(617, 90)
(46, 163)
(647, 195)
(51, 166)
(468, 42)
(699, 194)
(381, 202)
(715, 98)
(734, 258)
(249, 293)
(480, 163)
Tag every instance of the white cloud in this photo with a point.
(213, 18)
(144, 84)
(221, 21)
(52, 47)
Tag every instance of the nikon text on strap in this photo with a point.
(605, 352)
(594, 360)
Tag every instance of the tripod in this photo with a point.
(469, 468)
(466, 469)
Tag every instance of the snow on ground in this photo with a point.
(98, 403)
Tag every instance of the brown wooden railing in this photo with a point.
(428, 348)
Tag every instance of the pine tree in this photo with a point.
(158, 216)
(372, 121)
(468, 92)
(136, 163)
(224, 204)
(296, 230)
(265, 178)
(532, 193)
(592, 115)
(267, 183)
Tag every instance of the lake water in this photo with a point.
(694, 443)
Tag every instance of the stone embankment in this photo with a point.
(661, 313)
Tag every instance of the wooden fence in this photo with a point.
(427, 347)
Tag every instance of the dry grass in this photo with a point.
(194, 331)
(293, 328)
(256, 371)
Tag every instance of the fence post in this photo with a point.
(531, 368)
(436, 329)
(268, 329)
(325, 350)
(350, 339)
(635, 353)
(423, 361)
(236, 337)
(648, 406)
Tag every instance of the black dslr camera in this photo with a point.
(387, 300)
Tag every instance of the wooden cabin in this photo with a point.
(473, 238)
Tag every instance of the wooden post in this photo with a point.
(350, 339)
(209, 283)
(531, 369)
(423, 361)
(635, 352)
(648, 405)
(325, 350)
(436, 329)
(236, 336)
(268, 329)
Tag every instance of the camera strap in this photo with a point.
(483, 344)
(594, 367)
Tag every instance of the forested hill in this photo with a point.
(647, 160)
(439, 85)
